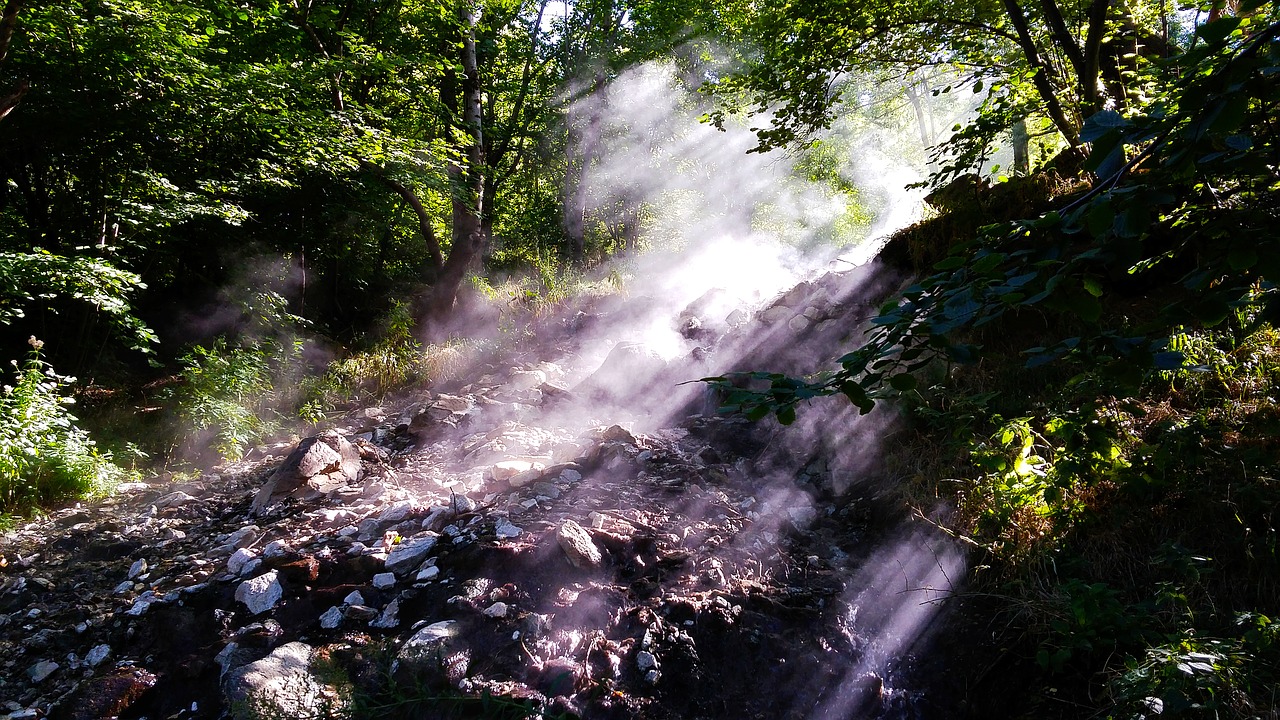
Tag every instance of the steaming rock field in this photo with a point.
(567, 531)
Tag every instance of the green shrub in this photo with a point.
(395, 361)
(227, 394)
(44, 457)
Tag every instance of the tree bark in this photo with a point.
(584, 146)
(921, 123)
(467, 238)
(1041, 75)
(1096, 31)
(1021, 147)
(335, 80)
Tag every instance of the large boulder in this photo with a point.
(318, 466)
(435, 653)
(281, 685)
(630, 368)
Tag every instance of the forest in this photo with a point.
(228, 227)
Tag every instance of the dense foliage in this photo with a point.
(44, 456)
(1092, 388)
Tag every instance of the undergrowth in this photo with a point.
(1132, 535)
(45, 457)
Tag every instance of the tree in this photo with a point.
(1060, 60)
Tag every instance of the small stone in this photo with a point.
(646, 661)
(239, 560)
(427, 573)
(383, 581)
(802, 516)
(522, 479)
(504, 530)
(546, 490)
(527, 379)
(276, 549)
(243, 537)
(42, 670)
(331, 618)
(97, 654)
(508, 469)
(427, 641)
(389, 618)
(570, 475)
(360, 612)
(174, 499)
(282, 685)
(138, 567)
(776, 314)
(462, 504)
(798, 323)
(651, 677)
(578, 545)
(261, 593)
(123, 587)
(354, 598)
(496, 610)
(395, 512)
(144, 601)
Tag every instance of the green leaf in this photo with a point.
(987, 263)
(1211, 310)
(949, 263)
(787, 414)
(1242, 257)
(903, 382)
(1101, 123)
(1085, 306)
(1218, 29)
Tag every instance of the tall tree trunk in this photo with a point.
(468, 239)
(584, 145)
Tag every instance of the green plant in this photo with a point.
(44, 456)
(227, 394)
(1189, 676)
(395, 361)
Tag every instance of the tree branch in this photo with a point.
(424, 218)
(1040, 74)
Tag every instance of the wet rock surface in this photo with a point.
(491, 537)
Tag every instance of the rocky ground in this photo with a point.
(552, 535)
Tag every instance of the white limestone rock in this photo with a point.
(261, 593)
(407, 555)
(578, 546)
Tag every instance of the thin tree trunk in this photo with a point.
(1021, 147)
(578, 172)
(921, 121)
